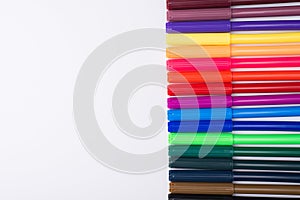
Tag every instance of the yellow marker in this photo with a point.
(227, 51)
(227, 38)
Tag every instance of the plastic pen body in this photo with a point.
(227, 151)
(230, 189)
(213, 51)
(229, 113)
(228, 76)
(228, 13)
(229, 101)
(177, 39)
(230, 164)
(226, 64)
(224, 139)
(223, 26)
(222, 176)
(229, 126)
(183, 4)
(228, 88)
(220, 197)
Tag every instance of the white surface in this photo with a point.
(43, 44)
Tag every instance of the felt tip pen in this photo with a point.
(229, 126)
(230, 139)
(225, 64)
(183, 4)
(230, 189)
(229, 13)
(224, 26)
(185, 39)
(228, 88)
(228, 76)
(222, 176)
(230, 113)
(221, 197)
(231, 164)
(214, 51)
(208, 151)
(229, 101)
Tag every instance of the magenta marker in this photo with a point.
(229, 101)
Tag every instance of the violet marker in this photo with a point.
(229, 101)
(220, 26)
(192, 4)
(229, 13)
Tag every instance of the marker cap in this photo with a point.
(201, 126)
(229, 164)
(197, 64)
(199, 14)
(228, 13)
(182, 4)
(201, 102)
(221, 26)
(186, 39)
(229, 126)
(204, 151)
(197, 151)
(224, 139)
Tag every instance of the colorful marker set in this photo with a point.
(225, 77)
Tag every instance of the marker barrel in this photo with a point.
(229, 139)
(229, 126)
(228, 101)
(220, 197)
(223, 26)
(204, 151)
(183, 4)
(213, 51)
(225, 64)
(229, 176)
(228, 88)
(228, 76)
(229, 113)
(230, 189)
(230, 164)
(227, 38)
(228, 13)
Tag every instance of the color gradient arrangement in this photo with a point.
(222, 82)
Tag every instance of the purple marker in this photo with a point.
(228, 101)
(221, 26)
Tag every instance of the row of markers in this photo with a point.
(225, 81)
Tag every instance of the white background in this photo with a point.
(43, 44)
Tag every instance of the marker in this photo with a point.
(230, 113)
(230, 189)
(224, 139)
(220, 197)
(228, 76)
(229, 101)
(229, 88)
(185, 39)
(196, 151)
(229, 126)
(230, 164)
(202, 51)
(183, 4)
(224, 26)
(209, 176)
(229, 13)
(225, 64)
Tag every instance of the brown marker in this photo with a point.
(230, 189)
